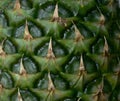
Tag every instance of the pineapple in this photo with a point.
(59, 50)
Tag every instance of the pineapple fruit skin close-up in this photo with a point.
(59, 50)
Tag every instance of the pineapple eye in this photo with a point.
(49, 8)
(25, 4)
(73, 66)
(58, 49)
(6, 80)
(34, 30)
(29, 65)
(23, 95)
(9, 47)
(3, 22)
(58, 82)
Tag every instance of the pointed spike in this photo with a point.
(17, 5)
(106, 48)
(50, 53)
(99, 94)
(56, 18)
(19, 97)
(22, 69)
(50, 44)
(78, 35)
(82, 67)
(2, 53)
(27, 35)
(100, 89)
(55, 14)
(51, 86)
(102, 19)
(26, 28)
(82, 70)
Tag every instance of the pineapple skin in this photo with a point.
(59, 50)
